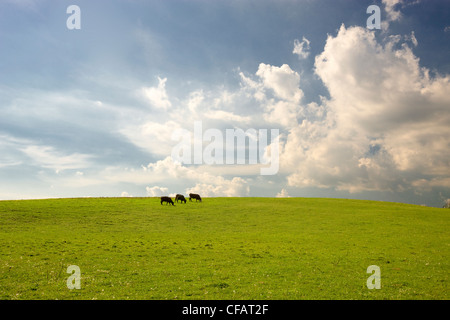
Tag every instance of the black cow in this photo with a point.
(180, 197)
(194, 196)
(167, 200)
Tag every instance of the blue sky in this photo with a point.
(91, 112)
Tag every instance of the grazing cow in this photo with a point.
(180, 197)
(167, 200)
(194, 196)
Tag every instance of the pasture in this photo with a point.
(222, 248)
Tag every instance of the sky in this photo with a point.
(92, 101)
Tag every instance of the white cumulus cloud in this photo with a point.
(386, 123)
(283, 194)
(156, 191)
(157, 96)
(301, 48)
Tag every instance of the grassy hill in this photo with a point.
(222, 248)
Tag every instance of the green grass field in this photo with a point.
(222, 248)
